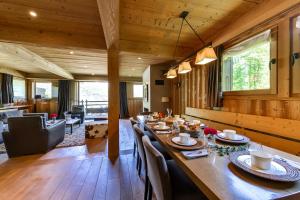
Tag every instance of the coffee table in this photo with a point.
(71, 123)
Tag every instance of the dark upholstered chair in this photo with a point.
(141, 153)
(167, 180)
(145, 113)
(27, 135)
(77, 112)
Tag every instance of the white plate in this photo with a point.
(192, 141)
(236, 137)
(157, 127)
(276, 168)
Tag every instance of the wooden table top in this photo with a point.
(218, 178)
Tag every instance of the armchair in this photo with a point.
(77, 111)
(27, 135)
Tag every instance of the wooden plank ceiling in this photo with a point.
(148, 31)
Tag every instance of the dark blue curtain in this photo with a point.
(64, 87)
(123, 101)
(7, 89)
(214, 90)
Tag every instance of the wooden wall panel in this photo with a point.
(135, 106)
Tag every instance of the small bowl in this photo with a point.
(261, 159)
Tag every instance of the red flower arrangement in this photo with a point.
(53, 115)
(210, 131)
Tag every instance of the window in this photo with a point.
(138, 91)
(19, 88)
(295, 61)
(247, 66)
(44, 89)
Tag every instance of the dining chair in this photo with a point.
(133, 122)
(145, 113)
(166, 179)
(139, 134)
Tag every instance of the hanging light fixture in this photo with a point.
(172, 73)
(205, 56)
(184, 68)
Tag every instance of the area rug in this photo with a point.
(77, 138)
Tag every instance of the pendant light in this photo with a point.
(172, 73)
(205, 56)
(184, 68)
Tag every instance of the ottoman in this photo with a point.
(96, 129)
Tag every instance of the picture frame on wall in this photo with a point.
(146, 92)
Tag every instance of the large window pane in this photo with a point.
(19, 88)
(138, 91)
(295, 54)
(44, 89)
(245, 66)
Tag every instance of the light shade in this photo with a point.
(184, 67)
(205, 56)
(298, 22)
(164, 99)
(171, 73)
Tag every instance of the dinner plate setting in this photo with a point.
(191, 141)
(234, 139)
(278, 171)
(161, 128)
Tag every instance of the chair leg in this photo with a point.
(146, 188)
(150, 191)
(137, 161)
(134, 148)
(140, 166)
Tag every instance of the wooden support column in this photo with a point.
(109, 13)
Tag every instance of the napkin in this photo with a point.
(163, 132)
(194, 154)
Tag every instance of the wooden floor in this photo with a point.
(81, 172)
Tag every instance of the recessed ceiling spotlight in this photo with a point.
(32, 14)
(72, 52)
(93, 74)
(139, 58)
(84, 66)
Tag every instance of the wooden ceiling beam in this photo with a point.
(19, 52)
(6, 70)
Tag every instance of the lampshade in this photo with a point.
(205, 56)
(171, 73)
(298, 22)
(164, 99)
(184, 67)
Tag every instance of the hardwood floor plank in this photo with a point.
(87, 191)
(136, 182)
(66, 181)
(126, 188)
(101, 187)
(78, 181)
(113, 183)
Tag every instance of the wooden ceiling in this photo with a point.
(148, 30)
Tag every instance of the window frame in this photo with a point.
(141, 84)
(25, 89)
(35, 86)
(273, 72)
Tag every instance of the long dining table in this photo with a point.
(218, 178)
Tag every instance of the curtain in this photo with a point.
(7, 89)
(123, 101)
(64, 87)
(214, 90)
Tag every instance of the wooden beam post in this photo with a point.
(109, 13)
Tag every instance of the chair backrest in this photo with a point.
(145, 113)
(157, 171)
(30, 126)
(138, 136)
(133, 121)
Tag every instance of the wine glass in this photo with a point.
(169, 112)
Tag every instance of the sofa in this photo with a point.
(28, 135)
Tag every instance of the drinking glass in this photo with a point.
(169, 111)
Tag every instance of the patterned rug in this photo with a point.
(77, 138)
